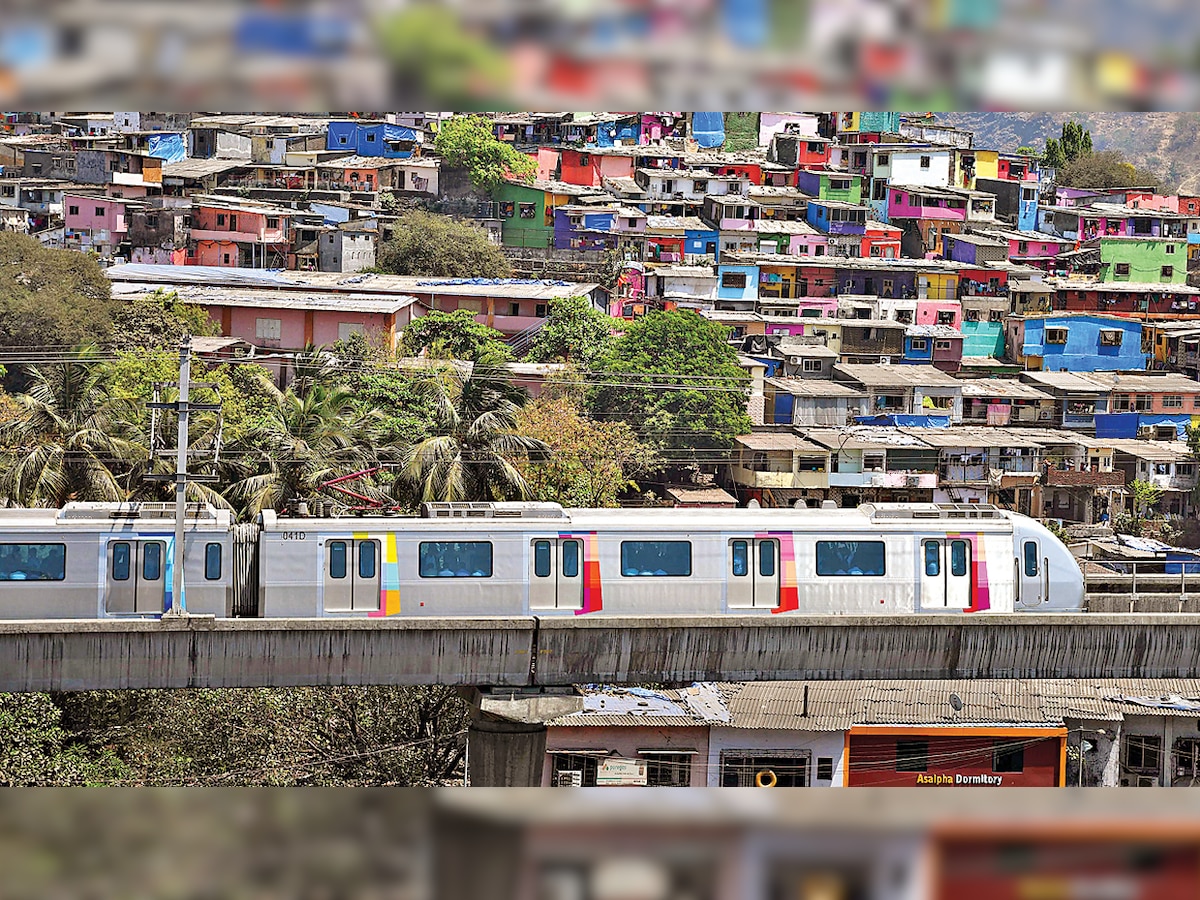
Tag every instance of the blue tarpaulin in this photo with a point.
(1126, 424)
(167, 146)
(708, 129)
(905, 420)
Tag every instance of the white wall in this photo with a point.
(818, 743)
(906, 168)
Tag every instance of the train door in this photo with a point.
(945, 573)
(1030, 574)
(556, 579)
(135, 580)
(351, 575)
(753, 573)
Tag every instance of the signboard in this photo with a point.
(615, 772)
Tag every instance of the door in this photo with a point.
(351, 575)
(136, 577)
(556, 580)
(1030, 570)
(752, 577)
(945, 573)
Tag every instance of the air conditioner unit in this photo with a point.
(1045, 415)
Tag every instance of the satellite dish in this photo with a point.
(956, 702)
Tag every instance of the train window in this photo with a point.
(120, 563)
(850, 558)
(212, 562)
(933, 558)
(766, 559)
(570, 559)
(741, 556)
(1031, 560)
(366, 559)
(541, 559)
(337, 559)
(151, 561)
(455, 559)
(33, 562)
(656, 558)
(958, 558)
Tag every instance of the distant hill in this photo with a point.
(1165, 142)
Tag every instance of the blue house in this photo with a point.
(737, 282)
(1076, 343)
(836, 217)
(371, 139)
(701, 241)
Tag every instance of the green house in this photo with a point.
(1143, 259)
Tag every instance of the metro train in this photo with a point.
(92, 560)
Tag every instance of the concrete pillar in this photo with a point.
(506, 737)
(505, 754)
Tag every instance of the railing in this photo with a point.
(1164, 583)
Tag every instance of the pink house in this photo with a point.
(1033, 245)
(96, 223)
(906, 202)
(939, 312)
(241, 234)
(296, 321)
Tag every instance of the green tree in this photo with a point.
(37, 750)
(158, 321)
(574, 332)
(476, 449)
(590, 464)
(1026, 150)
(69, 439)
(50, 298)
(674, 378)
(1106, 169)
(471, 142)
(303, 442)
(432, 246)
(453, 335)
(371, 373)
(1146, 495)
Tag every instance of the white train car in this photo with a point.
(479, 559)
(103, 560)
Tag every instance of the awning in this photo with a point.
(670, 751)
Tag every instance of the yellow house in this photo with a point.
(970, 164)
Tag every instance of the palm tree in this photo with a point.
(69, 439)
(305, 441)
(471, 456)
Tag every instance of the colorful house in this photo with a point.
(240, 233)
(96, 223)
(1141, 259)
(828, 185)
(880, 240)
(837, 217)
(1075, 342)
(372, 139)
(973, 249)
(938, 345)
(526, 209)
(672, 238)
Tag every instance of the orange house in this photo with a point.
(240, 234)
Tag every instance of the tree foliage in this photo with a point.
(574, 332)
(1106, 169)
(453, 335)
(1073, 143)
(38, 751)
(590, 463)
(674, 378)
(471, 142)
(159, 320)
(50, 298)
(476, 448)
(70, 439)
(428, 245)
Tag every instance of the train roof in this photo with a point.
(552, 515)
(91, 515)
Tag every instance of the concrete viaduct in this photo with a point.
(517, 671)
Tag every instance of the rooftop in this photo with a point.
(873, 376)
(814, 387)
(777, 440)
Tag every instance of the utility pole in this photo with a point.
(185, 378)
(180, 478)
